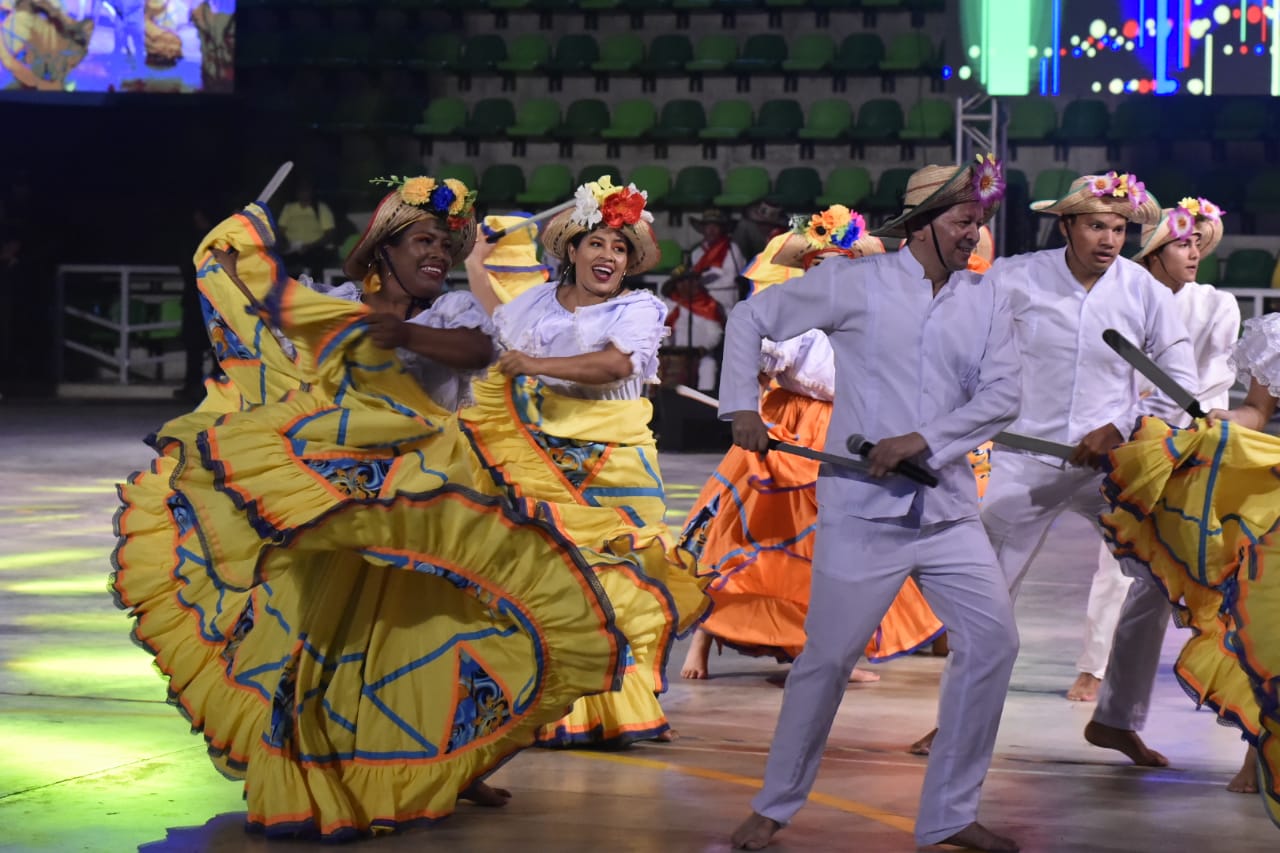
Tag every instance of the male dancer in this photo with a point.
(926, 369)
(1077, 391)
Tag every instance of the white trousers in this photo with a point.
(858, 568)
(1023, 498)
(1106, 597)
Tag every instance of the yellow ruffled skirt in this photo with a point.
(752, 530)
(592, 466)
(1201, 509)
(357, 631)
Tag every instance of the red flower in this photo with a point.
(622, 208)
(457, 223)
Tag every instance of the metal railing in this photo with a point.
(125, 278)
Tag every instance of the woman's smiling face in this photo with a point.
(421, 256)
(600, 261)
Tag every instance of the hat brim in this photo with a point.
(1082, 201)
(1162, 236)
(796, 250)
(956, 190)
(645, 254)
(390, 217)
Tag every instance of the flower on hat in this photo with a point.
(449, 199)
(600, 201)
(1128, 184)
(1209, 210)
(1102, 185)
(416, 191)
(837, 227)
(988, 180)
(1182, 224)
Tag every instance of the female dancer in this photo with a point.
(562, 421)
(1201, 509)
(361, 635)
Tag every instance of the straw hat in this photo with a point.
(414, 199)
(1191, 216)
(713, 215)
(764, 272)
(513, 265)
(940, 187)
(836, 230)
(602, 205)
(1122, 194)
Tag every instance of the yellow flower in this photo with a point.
(1190, 205)
(417, 191)
(460, 191)
(1122, 186)
(601, 188)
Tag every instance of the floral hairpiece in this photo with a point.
(836, 227)
(988, 180)
(449, 198)
(1183, 218)
(1119, 186)
(600, 201)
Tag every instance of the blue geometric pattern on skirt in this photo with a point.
(355, 478)
(482, 708)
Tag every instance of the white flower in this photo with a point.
(586, 210)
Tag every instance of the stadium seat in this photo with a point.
(796, 188)
(810, 54)
(680, 121)
(583, 121)
(536, 119)
(547, 185)
(1084, 122)
(930, 121)
(695, 187)
(499, 185)
(671, 255)
(654, 180)
(778, 120)
(1032, 121)
(890, 189)
(1052, 184)
(847, 185)
(1248, 268)
(574, 54)
(464, 172)
(829, 121)
(763, 53)
(526, 53)
(442, 118)
(879, 122)
(728, 122)
(743, 185)
(593, 173)
(631, 122)
(620, 53)
(490, 118)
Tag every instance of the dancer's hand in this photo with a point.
(515, 363)
(749, 431)
(888, 452)
(387, 330)
(1095, 447)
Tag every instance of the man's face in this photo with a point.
(956, 230)
(712, 231)
(1181, 259)
(1094, 239)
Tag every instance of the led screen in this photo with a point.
(66, 47)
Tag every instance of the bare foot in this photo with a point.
(485, 795)
(1085, 688)
(754, 833)
(668, 736)
(1125, 741)
(861, 676)
(695, 662)
(922, 746)
(1246, 781)
(975, 836)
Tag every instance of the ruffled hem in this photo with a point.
(1197, 508)
(1257, 354)
(609, 720)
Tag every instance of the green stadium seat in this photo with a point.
(810, 54)
(880, 120)
(620, 53)
(1248, 268)
(499, 185)
(796, 188)
(490, 118)
(762, 53)
(671, 255)
(1032, 121)
(847, 185)
(713, 54)
(442, 118)
(909, 53)
(889, 192)
(655, 180)
(680, 121)
(668, 55)
(1084, 122)
(464, 172)
(583, 121)
(695, 187)
(480, 54)
(548, 184)
(929, 121)
(858, 54)
(632, 120)
(829, 121)
(729, 121)
(743, 185)
(526, 53)
(593, 173)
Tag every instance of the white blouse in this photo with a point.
(1257, 353)
(536, 324)
(458, 309)
(804, 364)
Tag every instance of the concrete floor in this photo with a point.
(91, 758)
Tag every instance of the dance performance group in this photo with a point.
(411, 532)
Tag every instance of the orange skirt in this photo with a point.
(753, 526)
